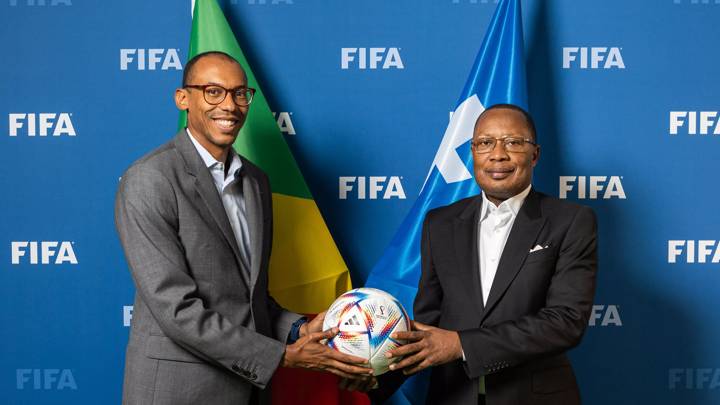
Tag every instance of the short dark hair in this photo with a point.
(528, 118)
(190, 65)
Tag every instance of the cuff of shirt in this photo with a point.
(294, 334)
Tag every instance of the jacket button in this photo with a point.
(253, 376)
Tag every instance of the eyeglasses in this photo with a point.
(214, 94)
(512, 144)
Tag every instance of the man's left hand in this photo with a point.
(313, 326)
(427, 346)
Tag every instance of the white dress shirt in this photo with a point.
(493, 231)
(494, 227)
(230, 191)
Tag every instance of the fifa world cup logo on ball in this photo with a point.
(366, 318)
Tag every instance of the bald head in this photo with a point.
(190, 67)
(529, 122)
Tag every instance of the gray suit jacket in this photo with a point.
(204, 329)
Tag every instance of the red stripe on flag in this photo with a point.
(299, 387)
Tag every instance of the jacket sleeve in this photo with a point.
(559, 325)
(428, 301)
(146, 217)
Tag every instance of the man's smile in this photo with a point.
(226, 124)
(500, 173)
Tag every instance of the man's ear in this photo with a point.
(536, 156)
(182, 99)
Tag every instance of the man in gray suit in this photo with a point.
(195, 221)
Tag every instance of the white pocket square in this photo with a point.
(538, 247)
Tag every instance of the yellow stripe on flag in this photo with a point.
(307, 272)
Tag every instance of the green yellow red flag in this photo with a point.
(307, 271)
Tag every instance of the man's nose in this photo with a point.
(228, 104)
(498, 152)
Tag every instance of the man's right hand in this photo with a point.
(309, 353)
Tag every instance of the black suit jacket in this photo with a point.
(538, 306)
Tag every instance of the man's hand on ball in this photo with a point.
(309, 353)
(313, 326)
(426, 346)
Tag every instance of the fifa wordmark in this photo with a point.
(262, 2)
(284, 121)
(43, 252)
(713, 2)
(31, 3)
(475, 1)
(592, 58)
(370, 187)
(695, 122)
(694, 378)
(45, 379)
(127, 315)
(694, 251)
(605, 315)
(590, 187)
(150, 59)
(41, 124)
(371, 58)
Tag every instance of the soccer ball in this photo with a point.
(366, 317)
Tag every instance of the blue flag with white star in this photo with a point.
(497, 77)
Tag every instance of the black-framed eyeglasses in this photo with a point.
(512, 144)
(214, 94)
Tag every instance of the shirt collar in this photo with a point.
(512, 204)
(210, 161)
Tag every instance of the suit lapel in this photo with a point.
(206, 189)
(523, 234)
(254, 216)
(466, 250)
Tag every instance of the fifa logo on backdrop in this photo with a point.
(592, 58)
(150, 59)
(253, 2)
(45, 379)
(284, 122)
(45, 252)
(592, 187)
(694, 122)
(694, 378)
(42, 124)
(700, 251)
(605, 315)
(475, 1)
(127, 314)
(696, 1)
(371, 58)
(372, 187)
(41, 2)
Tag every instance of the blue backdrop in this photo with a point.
(625, 98)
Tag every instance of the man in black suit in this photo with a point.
(508, 279)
